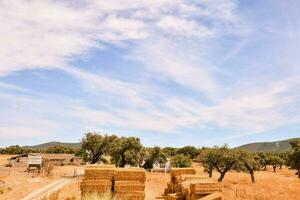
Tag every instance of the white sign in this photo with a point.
(35, 160)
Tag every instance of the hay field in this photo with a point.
(283, 185)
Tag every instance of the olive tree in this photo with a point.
(222, 159)
(127, 150)
(275, 161)
(294, 158)
(181, 160)
(154, 155)
(208, 158)
(95, 146)
(247, 162)
(190, 151)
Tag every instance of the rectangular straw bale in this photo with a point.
(87, 186)
(130, 175)
(182, 178)
(182, 171)
(175, 196)
(213, 196)
(99, 173)
(128, 186)
(100, 166)
(205, 186)
(130, 195)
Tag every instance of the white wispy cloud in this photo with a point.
(175, 42)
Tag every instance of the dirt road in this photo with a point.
(48, 189)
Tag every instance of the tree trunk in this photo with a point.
(298, 173)
(210, 173)
(265, 166)
(252, 176)
(274, 168)
(222, 176)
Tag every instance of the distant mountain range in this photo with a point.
(46, 145)
(275, 146)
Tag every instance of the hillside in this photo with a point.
(275, 146)
(54, 143)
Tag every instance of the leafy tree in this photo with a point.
(58, 149)
(222, 159)
(294, 158)
(16, 149)
(154, 155)
(208, 159)
(247, 162)
(127, 150)
(263, 160)
(275, 161)
(181, 160)
(169, 151)
(2, 151)
(190, 151)
(94, 146)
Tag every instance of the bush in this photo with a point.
(181, 160)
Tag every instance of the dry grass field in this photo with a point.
(282, 185)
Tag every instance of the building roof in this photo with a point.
(47, 156)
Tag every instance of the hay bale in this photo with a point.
(175, 196)
(138, 195)
(100, 166)
(182, 178)
(130, 175)
(182, 171)
(99, 173)
(99, 186)
(128, 186)
(213, 196)
(205, 186)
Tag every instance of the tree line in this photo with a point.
(17, 150)
(123, 151)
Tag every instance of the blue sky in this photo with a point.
(172, 72)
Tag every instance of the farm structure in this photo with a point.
(55, 159)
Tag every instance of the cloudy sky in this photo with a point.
(172, 72)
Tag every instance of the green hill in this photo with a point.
(276, 146)
(46, 145)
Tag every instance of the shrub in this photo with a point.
(181, 160)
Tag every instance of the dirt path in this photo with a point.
(48, 189)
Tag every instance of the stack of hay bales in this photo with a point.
(198, 189)
(129, 183)
(175, 179)
(97, 179)
(185, 185)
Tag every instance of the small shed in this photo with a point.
(19, 160)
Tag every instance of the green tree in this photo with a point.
(294, 157)
(16, 149)
(154, 155)
(247, 162)
(58, 149)
(127, 150)
(222, 159)
(95, 146)
(263, 160)
(190, 151)
(181, 160)
(208, 158)
(169, 151)
(275, 161)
